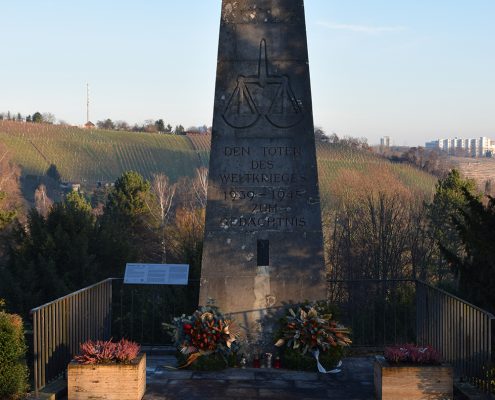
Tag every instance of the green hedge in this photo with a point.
(13, 371)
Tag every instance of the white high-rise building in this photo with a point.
(476, 147)
(385, 141)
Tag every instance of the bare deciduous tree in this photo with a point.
(8, 172)
(186, 237)
(377, 229)
(42, 202)
(200, 186)
(164, 193)
(163, 196)
(10, 195)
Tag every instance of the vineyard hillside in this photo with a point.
(479, 169)
(89, 156)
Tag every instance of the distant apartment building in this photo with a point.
(479, 147)
(385, 141)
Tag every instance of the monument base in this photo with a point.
(255, 295)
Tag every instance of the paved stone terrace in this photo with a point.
(355, 382)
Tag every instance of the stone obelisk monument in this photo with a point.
(263, 240)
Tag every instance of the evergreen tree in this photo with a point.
(6, 216)
(37, 117)
(51, 256)
(475, 224)
(449, 200)
(30, 277)
(179, 130)
(126, 233)
(72, 225)
(160, 125)
(106, 124)
(53, 173)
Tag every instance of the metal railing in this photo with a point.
(139, 311)
(386, 312)
(61, 325)
(460, 331)
(378, 312)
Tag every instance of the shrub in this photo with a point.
(106, 352)
(13, 371)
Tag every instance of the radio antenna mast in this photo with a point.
(87, 102)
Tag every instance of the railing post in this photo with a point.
(417, 304)
(35, 352)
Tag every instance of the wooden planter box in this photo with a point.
(412, 382)
(107, 382)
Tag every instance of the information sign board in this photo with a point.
(156, 274)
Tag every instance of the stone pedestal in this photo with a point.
(263, 240)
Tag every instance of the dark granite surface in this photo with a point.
(355, 382)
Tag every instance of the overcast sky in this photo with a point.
(410, 69)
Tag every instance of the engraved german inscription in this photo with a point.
(264, 191)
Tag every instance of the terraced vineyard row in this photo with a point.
(98, 155)
(333, 160)
(202, 144)
(479, 169)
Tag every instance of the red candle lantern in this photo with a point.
(256, 362)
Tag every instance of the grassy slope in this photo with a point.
(91, 156)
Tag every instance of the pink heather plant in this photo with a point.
(410, 353)
(126, 351)
(106, 352)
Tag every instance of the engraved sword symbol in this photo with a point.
(282, 111)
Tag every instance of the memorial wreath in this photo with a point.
(309, 334)
(205, 340)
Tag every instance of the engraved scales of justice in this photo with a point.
(263, 95)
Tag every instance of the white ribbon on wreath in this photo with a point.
(321, 368)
